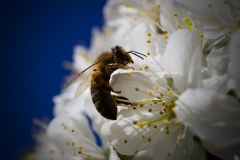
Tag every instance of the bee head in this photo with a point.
(121, 55)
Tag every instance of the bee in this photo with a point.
(97, 76)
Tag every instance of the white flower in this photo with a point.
(45, 148)
(151, 122)
(234, 56)
(78, 134)
(214, 117)
(213, 17)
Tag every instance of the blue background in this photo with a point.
(36, 38)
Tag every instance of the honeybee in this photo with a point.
(98, 76)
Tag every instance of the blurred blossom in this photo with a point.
(186, 89)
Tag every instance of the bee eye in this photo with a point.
(117, 53)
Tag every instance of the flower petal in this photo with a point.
(76, 133)
(182, 60)
(127, 137)
(218, 115)
(135, 85)
(170, 148)
(213, 18)
(234, 48)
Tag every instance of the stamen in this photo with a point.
(148, 41)
(163, 117)
(149, 34)
(187, 22)
(148, 53)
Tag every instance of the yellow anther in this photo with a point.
(150, 110)
(149, 139)
(170, 93)
(215, 102)
(148, 41)
(180, 138)
(127, 5)
(150, 92)
(237, 124)
(156, 88)
(149, 34)
(200, 36)
(146, 67)
(129, 73)
(195, 25)
(141, 105)
(72, 130)
(165, 32)
(161, 112)
(217, 147)
(165, 121)
(238, 20)
(165, 36)
(136, 151)
(221, 27)
(169, 154)
(158, 6)
(134, 122)
(175, 14)
(136, 89)
(209, 5)
(155, 126)
(72, 144)
(155, 20)
(167, 132)
(62, 152)
(173, 109)
(135, 19)
(65, 127)
(143, 137)
(87, 157)
(79, 152)
(176, 121)
(148, 53)
(125, 141)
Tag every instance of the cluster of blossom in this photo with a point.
(187, 87)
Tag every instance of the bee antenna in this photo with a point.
(137, 53)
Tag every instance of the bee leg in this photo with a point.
(116, 91)
(118, 100)
(127, 67)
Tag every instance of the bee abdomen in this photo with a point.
(104, 102)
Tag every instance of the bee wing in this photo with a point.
(83, 78)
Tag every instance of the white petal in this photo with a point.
(139, 37)
(167, 20)
(231, 152)
(218, 61)
(182, 60)
(60, 131)
(234, 54)
(215, 118)
(212, 17)
(125, 135)
(128, 81)
(178, 150)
